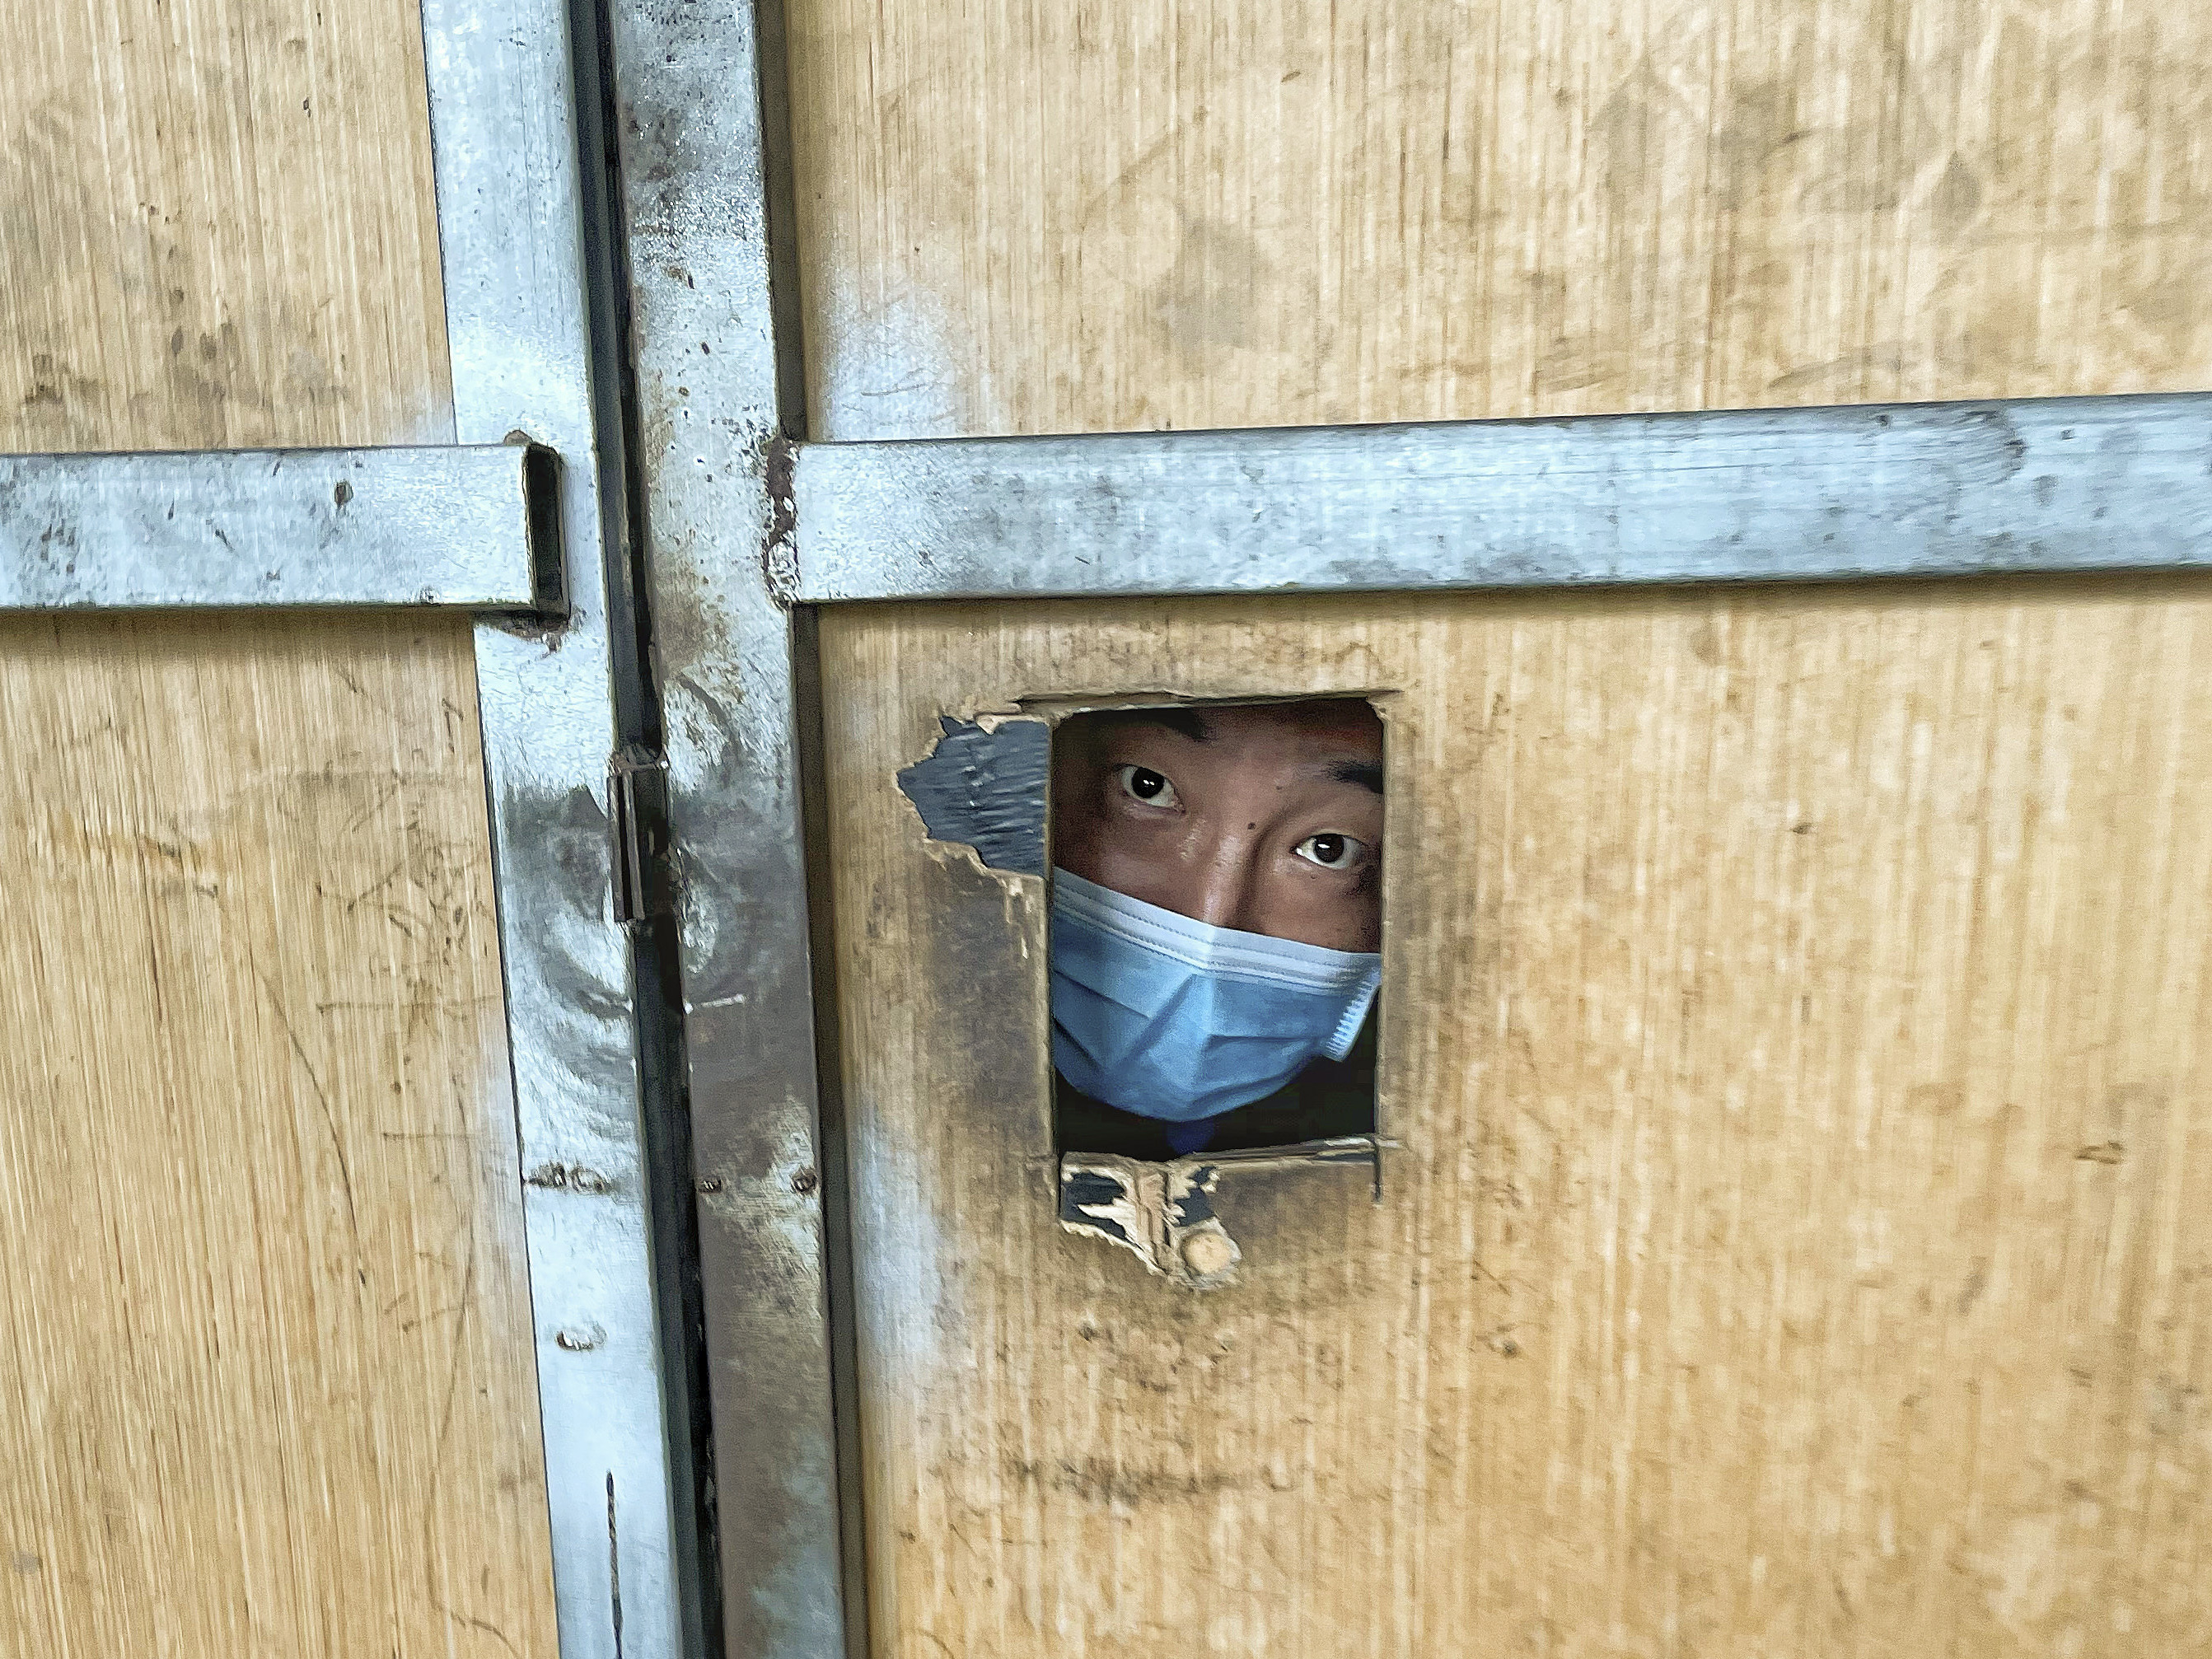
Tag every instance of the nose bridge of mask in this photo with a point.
(1222, 952)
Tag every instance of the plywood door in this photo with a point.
(1794, 1006)
(266, 1380)
(1795, 996)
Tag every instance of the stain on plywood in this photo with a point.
(216, 227)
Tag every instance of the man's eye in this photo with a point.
(1332, 851)
(1142, 783)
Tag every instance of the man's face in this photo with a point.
(1267, 819)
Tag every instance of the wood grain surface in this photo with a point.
(1792, 1001)
(1137, 214)
(269, 1383)
(266, 1365)
(218, 229)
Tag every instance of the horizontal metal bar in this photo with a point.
(2046, 484)
(474, 528)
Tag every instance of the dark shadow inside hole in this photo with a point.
(1216, 925)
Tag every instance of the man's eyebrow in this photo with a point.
(1368, 774)
(1187, 722)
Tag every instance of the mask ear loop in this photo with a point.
(1355, 1016)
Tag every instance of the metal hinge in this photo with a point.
(637, 790)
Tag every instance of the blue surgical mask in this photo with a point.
(1171, 1017)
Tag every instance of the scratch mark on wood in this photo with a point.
(485, 1625)
(330, 1114)
(454, 1369)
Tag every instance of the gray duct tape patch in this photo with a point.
(986, 790)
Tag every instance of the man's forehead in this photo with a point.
(1347, 721)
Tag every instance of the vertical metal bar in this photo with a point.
(699, 113)
(509, 136)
